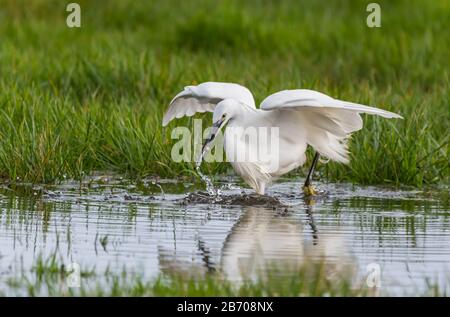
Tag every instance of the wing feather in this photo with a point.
(327, 121)
(310, 98)
(204, 98)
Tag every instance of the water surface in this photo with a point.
(151, 228)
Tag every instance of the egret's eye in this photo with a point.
(223, 116)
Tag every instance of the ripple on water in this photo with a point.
(116, 225)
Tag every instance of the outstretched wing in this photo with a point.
(205, 97)
(322, 121)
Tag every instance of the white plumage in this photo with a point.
(303, 117)
(205, 97)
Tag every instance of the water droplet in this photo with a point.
(160, 187)
(209, 184)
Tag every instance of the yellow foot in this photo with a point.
(309, 190)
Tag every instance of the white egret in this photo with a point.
(303, 117)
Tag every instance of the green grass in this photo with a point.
(50, 277)
(306, 282)
(77, 100)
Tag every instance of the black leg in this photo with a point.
(311, 170)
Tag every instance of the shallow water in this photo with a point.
(111, 224)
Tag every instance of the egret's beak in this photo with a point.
(212, 135)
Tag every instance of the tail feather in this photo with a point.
(328, 131)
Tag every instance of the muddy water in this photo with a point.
(151, 228)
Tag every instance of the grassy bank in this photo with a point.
(77, 100)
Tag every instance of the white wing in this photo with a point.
(205, 97)
(323, 122)
(310, 98)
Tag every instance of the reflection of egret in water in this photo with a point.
(261, 237)
(263, 240)
(309, 203)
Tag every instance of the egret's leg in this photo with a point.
(308, 189)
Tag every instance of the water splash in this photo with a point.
(210, 189)
(160, 188)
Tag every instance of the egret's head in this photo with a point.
(225, 111)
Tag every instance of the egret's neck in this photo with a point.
(244, 116)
